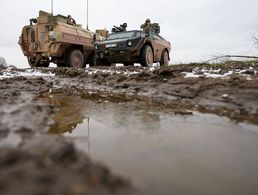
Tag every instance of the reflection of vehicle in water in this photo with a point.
(71, 112)
(69, 115)
(57, 39)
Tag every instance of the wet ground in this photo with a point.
(162, 152)
(188, 129)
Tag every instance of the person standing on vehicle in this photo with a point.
(147, 26)
(70, 20)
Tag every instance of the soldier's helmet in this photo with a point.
(69, 16)
(147, 20)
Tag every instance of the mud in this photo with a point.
(51, 164)
(234, 95)
(161, 150)
(33, 162)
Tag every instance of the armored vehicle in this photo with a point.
(129, 47)
(57, 39)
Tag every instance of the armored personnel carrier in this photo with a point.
(59, 40)
(128, 47)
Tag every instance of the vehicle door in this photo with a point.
(158, 47)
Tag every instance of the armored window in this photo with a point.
(121, 35)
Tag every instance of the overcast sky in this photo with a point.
(197, 29)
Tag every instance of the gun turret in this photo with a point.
(156, 28)
(121, 28)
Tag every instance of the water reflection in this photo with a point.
(119, 111)
(71, 112)
(161, 152)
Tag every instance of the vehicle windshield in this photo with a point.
(121, 35)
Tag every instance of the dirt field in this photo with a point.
(51, 164)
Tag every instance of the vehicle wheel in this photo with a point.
(75, 59)
(128, 64)
(93, 60)
(164, 59)
(147, 56)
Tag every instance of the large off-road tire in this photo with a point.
(75, 59)
(164, 59)
(146, 57)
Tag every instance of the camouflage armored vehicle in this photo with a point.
(57, 39)
(129, 47)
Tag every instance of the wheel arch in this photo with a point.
(166, 50)
(149, 44)
(71, 47)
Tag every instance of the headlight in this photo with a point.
(130, 43)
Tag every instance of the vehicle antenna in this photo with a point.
(87, 14)
(52, 13)
(52, 5)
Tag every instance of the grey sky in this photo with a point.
(197, 29)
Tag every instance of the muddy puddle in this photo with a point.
(161, 151)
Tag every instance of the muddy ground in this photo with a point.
(32, 161)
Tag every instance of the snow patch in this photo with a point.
(215, 73)
(125, 72)
(9, 73)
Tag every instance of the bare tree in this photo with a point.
(225, 58)
(255, 39)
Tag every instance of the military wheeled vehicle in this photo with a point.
(57, 39)
(129, 47)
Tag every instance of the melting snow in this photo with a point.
(112, 71)
(207, 74)
(9, 73)
(196, 73)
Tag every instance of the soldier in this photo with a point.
(70, 20)
(33, 20)
(147, 26)
(123, 27)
